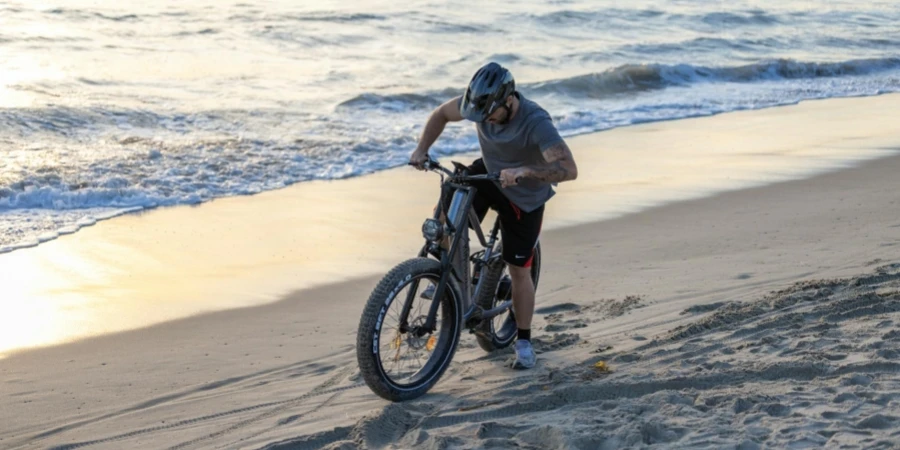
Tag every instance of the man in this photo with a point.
(519, 141)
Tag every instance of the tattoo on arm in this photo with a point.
(558, 166)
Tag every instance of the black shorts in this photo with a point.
(519, 230)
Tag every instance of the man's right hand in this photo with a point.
(418, 159)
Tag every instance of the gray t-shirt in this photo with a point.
(520, 143)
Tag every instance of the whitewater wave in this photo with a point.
(640, 77)
(637, 77)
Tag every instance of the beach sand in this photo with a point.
(763, 316)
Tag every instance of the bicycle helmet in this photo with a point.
(487, 92)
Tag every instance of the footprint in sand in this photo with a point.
(845, 397)
(878, 422)
(494, 430)
(557, 317)
(857, 380)
(699, 309)
(559, 308)
(543, 344)
(777, 410)
(565, 325)
(627, 358)
(567, 316)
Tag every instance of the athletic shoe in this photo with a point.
(525, 357)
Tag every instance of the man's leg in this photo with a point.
(520, 235)
(523, 296)
(523, 306)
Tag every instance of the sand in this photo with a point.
(760, 317)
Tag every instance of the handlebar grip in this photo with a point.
(427, 164)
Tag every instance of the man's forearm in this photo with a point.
(558, 165)
(554, 172)
(433, 129)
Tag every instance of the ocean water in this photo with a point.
(111, 107)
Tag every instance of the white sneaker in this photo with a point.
(525, 357)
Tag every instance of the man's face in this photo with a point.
(499, 116)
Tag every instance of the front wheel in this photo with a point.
(501, 331)
(397, 364)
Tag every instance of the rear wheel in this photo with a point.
(500, 331)
(400, 365)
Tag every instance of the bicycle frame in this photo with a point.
(455, 261)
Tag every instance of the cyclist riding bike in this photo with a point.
(518, 140)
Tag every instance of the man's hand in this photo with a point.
(510, 177)
(418, 159)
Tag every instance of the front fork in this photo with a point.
(472, 314)
(453, 260)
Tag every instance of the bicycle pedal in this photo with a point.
(475, 319)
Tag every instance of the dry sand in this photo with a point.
(760, 318)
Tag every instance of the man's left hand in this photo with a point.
(511, 177)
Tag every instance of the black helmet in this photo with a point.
(487, 91)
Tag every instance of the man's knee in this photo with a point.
(519, 272)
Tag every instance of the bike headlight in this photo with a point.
(433, 230)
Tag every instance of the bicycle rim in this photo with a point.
(407, 360)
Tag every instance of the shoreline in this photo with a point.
(139, 210)
(169, 263)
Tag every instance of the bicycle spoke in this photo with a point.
(395, 316)
(418, 360)
(405, 356)
(405, 364)
(393, 366)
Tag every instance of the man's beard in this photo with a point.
(507, 117)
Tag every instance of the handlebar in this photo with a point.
(485, 177)
(434, 166)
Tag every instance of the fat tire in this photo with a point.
(384, 294)
(486, 337)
